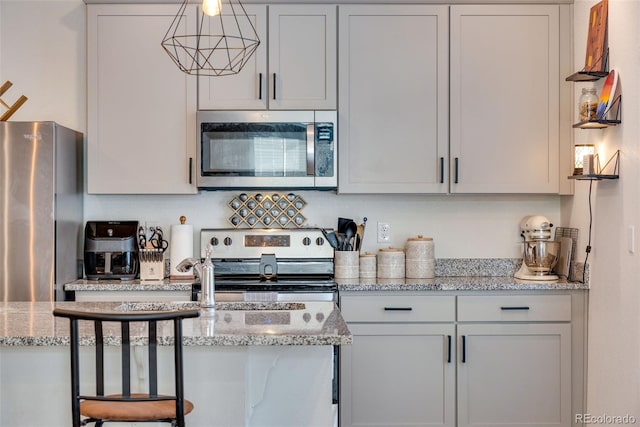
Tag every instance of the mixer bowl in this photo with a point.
(541, 256)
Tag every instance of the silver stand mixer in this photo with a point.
(540, 253)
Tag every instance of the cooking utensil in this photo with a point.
(341, 239)
(331, 238)
(342, 224)
(350, 232)
(360, 234)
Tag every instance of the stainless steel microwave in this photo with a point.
(267, 149)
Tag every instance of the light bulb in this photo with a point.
(212, 7)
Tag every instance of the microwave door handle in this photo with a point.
(311, 146)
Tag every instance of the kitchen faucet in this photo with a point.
(204, 270)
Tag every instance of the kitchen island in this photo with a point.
(246, 364)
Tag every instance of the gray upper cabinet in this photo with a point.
(505, 100)
(293, 68)
(459, 99)
(431, 98)
(393, 98)
(141, 107)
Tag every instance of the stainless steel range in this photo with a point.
(274, 265)
(271, 264)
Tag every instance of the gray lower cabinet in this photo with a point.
(514, 375)
(398, 375)
(400, 369)
(462, 360)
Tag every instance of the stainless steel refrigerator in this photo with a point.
(40, 209)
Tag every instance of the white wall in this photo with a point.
(42, 49)
(614, 318)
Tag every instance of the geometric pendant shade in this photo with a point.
(222, 45)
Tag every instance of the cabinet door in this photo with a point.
(505, 81)
(514, 374)
(141, 107)
(393, 104)
(302, 57)
(246, 90)
(398, 375)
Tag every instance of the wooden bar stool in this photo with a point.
(127, 406)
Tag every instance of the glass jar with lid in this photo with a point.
(588, 104)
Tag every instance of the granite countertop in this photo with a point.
(230, 324)
(129, 285)
(452, 274)
(468, 274)
(471, 283)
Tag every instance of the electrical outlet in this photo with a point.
(384, 232)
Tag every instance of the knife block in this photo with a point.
(151, 264)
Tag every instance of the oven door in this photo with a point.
(263, 149)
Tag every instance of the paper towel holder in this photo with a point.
(177, 255)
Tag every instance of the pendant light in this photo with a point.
(225, 39)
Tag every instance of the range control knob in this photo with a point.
(319, 241)
(306, 241)
(214, 241)
(227, 241)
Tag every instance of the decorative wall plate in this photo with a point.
(608, 94)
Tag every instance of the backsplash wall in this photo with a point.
(479, 226)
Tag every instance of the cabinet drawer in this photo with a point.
(517, 308)
(398, 308)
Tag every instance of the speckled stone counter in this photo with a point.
(468, 274)
(230, 324)
(452, 274)
(129, 285)
(472, 283)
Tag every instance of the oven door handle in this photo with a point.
(311, 147)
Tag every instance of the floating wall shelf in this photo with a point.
(592, 76)
(593, 177)
(604, 123)
(587, 76)
(600, 175)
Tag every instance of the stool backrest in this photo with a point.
(151, 318)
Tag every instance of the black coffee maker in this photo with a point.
(111, 250)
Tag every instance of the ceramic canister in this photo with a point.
(420, 258)
(391, 263)
(368, 265)
(346, 264)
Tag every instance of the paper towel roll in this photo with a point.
(180, 247)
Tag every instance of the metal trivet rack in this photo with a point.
(267, 210)
(573, 234)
